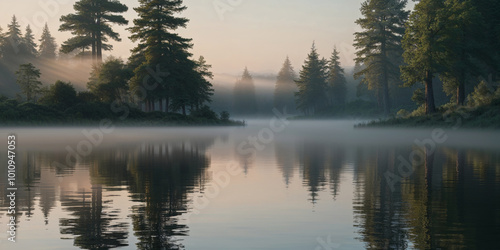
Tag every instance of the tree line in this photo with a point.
(453, 42)
(160, 75)
(449, 46)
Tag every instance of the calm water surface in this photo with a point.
(312, 185)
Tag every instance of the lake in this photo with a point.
(270, 185)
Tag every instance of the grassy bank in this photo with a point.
(486, 116)
(13, 113)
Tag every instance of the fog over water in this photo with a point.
(259, 186)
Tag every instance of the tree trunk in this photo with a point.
(161, 104)
(93, 47)
(184, 110)
(430, 107)
(167, 102)
(461, 93)
(385, 80)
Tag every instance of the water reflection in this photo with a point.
(132, 195)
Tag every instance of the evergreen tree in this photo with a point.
(245, 101)
(13, 41)
(284, 92)
(464, 45)
(48, 46)
(490, 12)
(109, 80)
(202, 88)
(91, 25)
(2, 41)
(379, 45)
(311, 96)
(425, 48)
(28, 79)
(28, 44)
(162, 51)
(337, 89)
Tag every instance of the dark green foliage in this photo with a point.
(337, 89)
(91, 25)
(464, 47)
(162, 59)
(284, 92)
(12, 42)
(28, 79)
(109, 80)
(206, 113)
(245, 102)
(312, 85)
(28, 45)
(379, 46)
(481, 96)
(60, 95)
(224, 116)
(425, 47)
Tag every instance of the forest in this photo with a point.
(442, 57)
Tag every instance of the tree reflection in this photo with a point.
(377, 209)
(92, 224)
(162, 176)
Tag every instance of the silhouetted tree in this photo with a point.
(60, 95)
(28, 44)
(337, 89)
(284, 92)
(244, 95)
(28, 79)
(91, 25)
(160, 50)
(48, 46)
(312, 84)
(109, 80)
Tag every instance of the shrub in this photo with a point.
(481, 96)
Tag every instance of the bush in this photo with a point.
(60, 95)
(206, 113)
(224, 116)
(481, 96)
(403, 113)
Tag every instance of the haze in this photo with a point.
(258, 34)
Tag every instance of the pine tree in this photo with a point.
(379, 45)
(162, 51)
(312, 86)
(91, 25)
(490, 12)
(284, 92)
(2, 41)
(337, 89)
(424, 48)
(48, 46)
(28, 79)
(245, 101)
(464, 47)
(28, 44)
(202, 88)
(13, 41)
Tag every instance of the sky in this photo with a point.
(230, 34)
